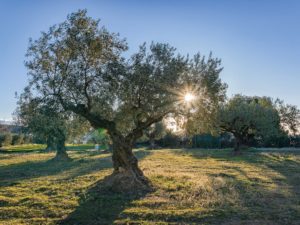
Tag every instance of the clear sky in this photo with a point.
(257, 40)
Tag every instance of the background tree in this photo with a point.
(81, 66)
(249, 118)
(201, 111)
(76, 127)
(289, 116)
(154, 132)
(290, 122)
(100, 136)
(44, 121)
(171, 140)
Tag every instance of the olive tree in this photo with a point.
(45, 122)
(248, 117)
(83, 67)
(289, 116)
(49, 123)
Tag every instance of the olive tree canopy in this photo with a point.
(82, 66)
(249, 117)
(289, 117)
(43, 121)
(46, 121)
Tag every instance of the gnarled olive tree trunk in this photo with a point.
(126, 170)
(127, 175)
(123, 158)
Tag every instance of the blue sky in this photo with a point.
(257, 40)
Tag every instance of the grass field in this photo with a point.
(192, 187)
(40, 147)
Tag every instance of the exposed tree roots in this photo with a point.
(126, 182)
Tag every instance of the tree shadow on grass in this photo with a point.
(271, 201)
(26, 151)
(252, 206)
(241, 197)
(101, 206)
(13, 174)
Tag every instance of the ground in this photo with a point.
(192, 187)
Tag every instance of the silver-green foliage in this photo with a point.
(249, 117)
(82, 66)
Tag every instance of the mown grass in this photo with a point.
(23, 148)
(27, 148)
(192, 187)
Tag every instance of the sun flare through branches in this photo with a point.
(188, 97)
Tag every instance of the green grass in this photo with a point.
(192, 187)
(27, 148)
(23, 148)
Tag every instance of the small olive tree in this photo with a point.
(47, 122)
(44, 121)
(81, 66)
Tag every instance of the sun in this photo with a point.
(188, 97)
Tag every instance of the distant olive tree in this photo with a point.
(289, 117)
(48, 123)
(45, 122)
(82, 67)
(249, 118)
(100, 136)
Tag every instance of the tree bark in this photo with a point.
(125, 163)
(127, 175)
(123, 157)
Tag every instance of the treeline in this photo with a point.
(240, 121)
(7, 139)
(225, 140)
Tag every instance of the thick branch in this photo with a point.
(138, 131)
(95, 120)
